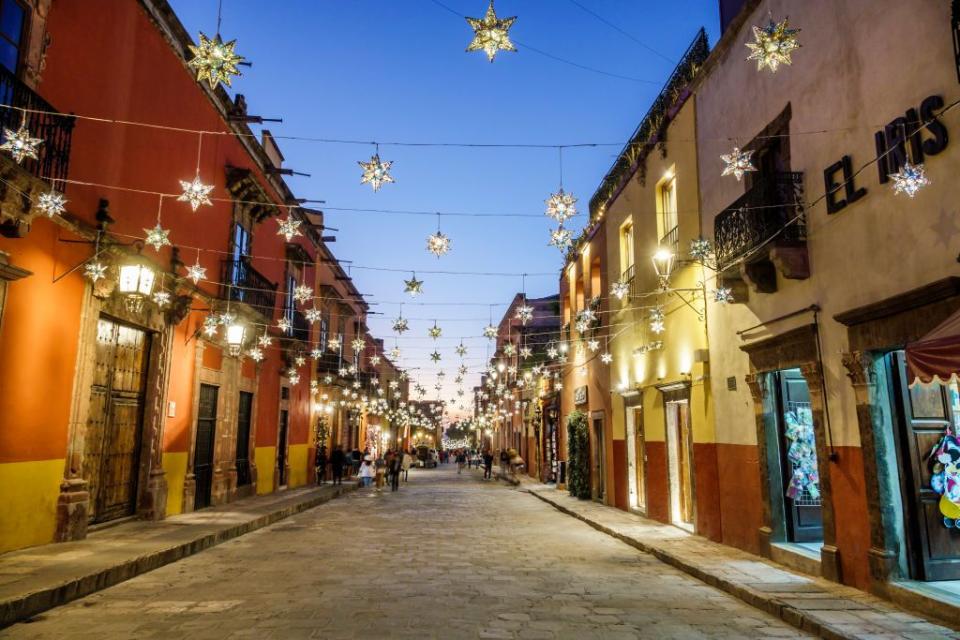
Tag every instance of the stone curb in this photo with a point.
(791, 615)
(22, 607)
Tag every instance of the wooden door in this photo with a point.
(203, 450)
(803, 511)
(639, 458)
(282, 449)
(111, 460)
(599, 472)
(924, 412)
(684, 461)
(244, 415)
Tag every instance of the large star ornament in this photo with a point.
(561, 238)
(910, 179)
(157, 237)
(289, 228)
(737, 163)
(491, 34)
(561, 206)
(376, 172)
(196, 193)
(20, 143)
(413, 287)
(215, 60)
(772, 45)
(438, 244)
(196, 272)
(51, 203)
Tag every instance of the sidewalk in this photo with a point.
(815, 605)
(39, 578)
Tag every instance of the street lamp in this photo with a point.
(136, 283)
(663, 265)
(236, 333)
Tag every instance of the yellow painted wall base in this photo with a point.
(298, 465)
(266, 459)
(28, 502)
(175, 468)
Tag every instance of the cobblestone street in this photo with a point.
(448, 557)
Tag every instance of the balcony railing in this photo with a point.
(671, 239)
(770, 212)
(44, 122)
(329, 362)
(243, 283)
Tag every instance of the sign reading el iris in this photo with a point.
(913, 136)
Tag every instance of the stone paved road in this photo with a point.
(447, 557)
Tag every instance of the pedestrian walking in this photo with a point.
(355, 458)
(337, 460)
(367, 473)
(406, 464)
(461, 461)
(487, 464)
(396, 466)
(321, 464)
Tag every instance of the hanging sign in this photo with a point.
(580, 395)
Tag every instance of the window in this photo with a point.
(13, 18)
(667, 215)
(626, 249)
(241, 241)
(289, 303)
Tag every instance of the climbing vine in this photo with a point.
(578, 472)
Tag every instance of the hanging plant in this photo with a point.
(578, 444)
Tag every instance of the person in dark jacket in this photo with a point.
(337, 460)
(487, 464)
(321, 464)
(395, 468)
(355, 458)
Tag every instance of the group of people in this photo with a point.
(362, 465)
(470, 457)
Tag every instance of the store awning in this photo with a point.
(936, 356)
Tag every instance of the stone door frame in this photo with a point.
(794, 349)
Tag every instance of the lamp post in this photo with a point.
(136, 282)
(663, 265)
(236, 334)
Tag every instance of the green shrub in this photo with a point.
(578, 465)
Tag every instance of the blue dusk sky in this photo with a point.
(396, 71)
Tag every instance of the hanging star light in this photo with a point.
(196, 193)
(343, 372)
(435, 356)
(284, 325)
(376, 172)
(435, 331)
(490, 332)
(162, 298)
(289, 228)
(526, 352)
(552, 352)
(524, 314)
(461, 349)
(302, 293)
(737, 163)
(395, 353)
(20, 144)
(561, 238)
(316, 353)
(657, 324)
(561, 206)
(95, 271)
(334, 343)
(328, 379)
(299, 360)
(215, 60)
(255, 354)
(226, 318)
(374, 360)
(509, 349)
(196, 271)
(438, 244)
(413, 287)
(210, 325)
(52, 203)
(593, 345)
(157, 237)
(620, 289)
(772, 45)
(400, 325)
(606, 358)
(313, 315)
(357, 344)
(264, 340)
(910, 179)
(462, 370)
(491, 34)
(700, 249)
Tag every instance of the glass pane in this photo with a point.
(11, 20)
(927, 401)
(9, 56)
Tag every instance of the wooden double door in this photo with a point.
(112, 440)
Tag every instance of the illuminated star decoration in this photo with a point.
(374, 360)
(400, 325)
(772, 45)
(561, 238)
(700, 249)
(526, 352)
(316, 353)
(226, 318)
(161, 298)
(723, 295)
(395, 353)
(606, 358)
(312, 315)
(509, 349)
(656, 320)
(438, 244)
(196, 193)
(255, 354)
(302, 293)
(210, 324)
(435, 331)
(157, 237)
(910, 179)
(289, 228)
(552, 352)
(196, 272)
(593, 345)
(284, 325)
(737, 163)
(413, 287)
(52, 203)
(376, 172)
(95, 270)
(20, 144)
(462, 370)
(620, 290)
(358, 344)
(334, 343)
(524, 314)
(491, 34)
(490, 331)
(561, 206)
(264, 340)
(215, 60)
(435, 356)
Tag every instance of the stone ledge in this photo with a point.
(828, 603)
(60, 591)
